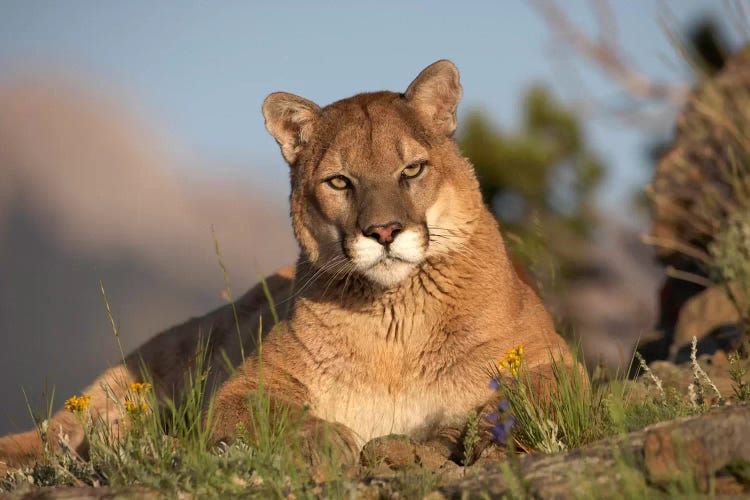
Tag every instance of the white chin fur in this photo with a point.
(391, 268)
(389, 272)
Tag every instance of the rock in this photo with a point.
(395, 452)
(699, 186)
(434, 456)
(706, 317)
(450, 471)
(639, 464)
(89, 493)
(391, 453)
(704, 445)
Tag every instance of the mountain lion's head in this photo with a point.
(378, 183)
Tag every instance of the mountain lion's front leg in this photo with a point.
(274, 395)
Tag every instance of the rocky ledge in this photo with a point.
(709, 453)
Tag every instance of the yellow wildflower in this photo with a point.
(512, 360)
(135, 403)
(130, 406)
(77, 404)
(140, 387)
(135, 407)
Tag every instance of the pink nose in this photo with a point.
(384, 233)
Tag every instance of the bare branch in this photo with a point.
(606, 21)
(606, 56)
(677, 246)
(673, 272)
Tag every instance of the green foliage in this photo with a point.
(631, 482)
(630, 414)
(730, 251)
(578, 412)
(547, 155)
(567, 417)
(471, 438)
(414, 483)
(737, 372)
(517, 488)
(541, 174)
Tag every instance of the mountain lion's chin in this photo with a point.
(388, 273)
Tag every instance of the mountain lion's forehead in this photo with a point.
(375, 114)
(373, 126)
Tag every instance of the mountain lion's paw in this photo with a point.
(328, 442)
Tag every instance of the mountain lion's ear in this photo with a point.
(435, 93)
(290, 120)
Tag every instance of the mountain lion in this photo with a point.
(402, 299)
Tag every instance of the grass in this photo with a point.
(579, 411)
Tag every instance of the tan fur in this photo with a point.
(401, 343)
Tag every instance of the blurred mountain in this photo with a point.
(89, 193)
(610, 300)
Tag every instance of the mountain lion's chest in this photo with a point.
(373, 412)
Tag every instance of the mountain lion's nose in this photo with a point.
(383, 233)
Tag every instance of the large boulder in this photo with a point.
(699, 186)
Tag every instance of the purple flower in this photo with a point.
(499, 433)
(503, 405)
(501, 430)
(494, 384)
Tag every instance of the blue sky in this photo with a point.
(199, 70)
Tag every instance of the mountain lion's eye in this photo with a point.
(339, 182)
(413, 170)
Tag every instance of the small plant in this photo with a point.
(502, 423)
(78, 404)
(575, 411)
(512, 361)
(699, 378)
(516, 486)
(654, 379)
(471, 438)
(737, 373)
(627, 412)
(566, 417)
(731, 254)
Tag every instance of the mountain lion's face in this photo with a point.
(378, 185)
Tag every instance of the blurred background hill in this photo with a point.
(129, 129)
(89, 194)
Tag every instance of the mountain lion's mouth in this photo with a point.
(389, 272)
(390, 258)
